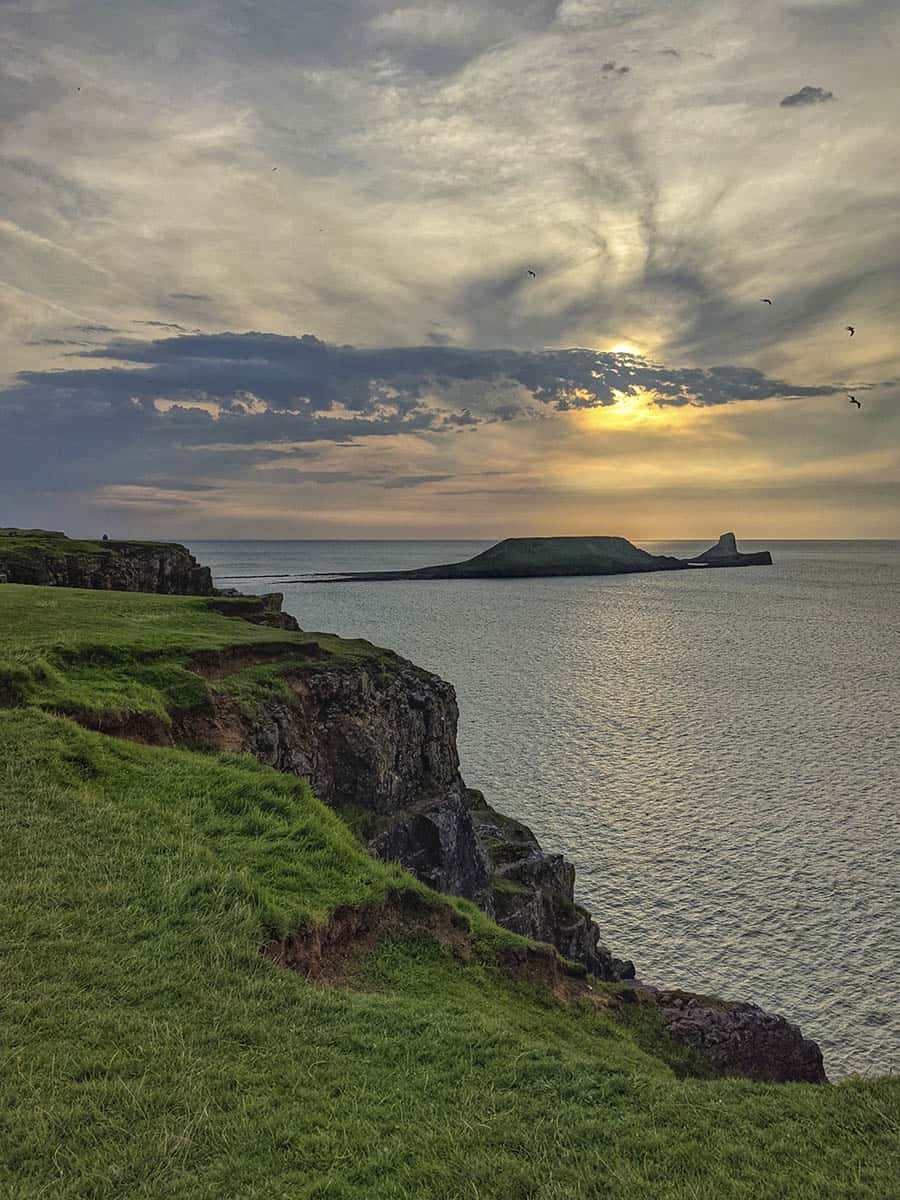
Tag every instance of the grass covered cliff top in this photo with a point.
(149, 1050)
(122, 653)
(19, 542)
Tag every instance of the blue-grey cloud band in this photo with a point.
(251, 391)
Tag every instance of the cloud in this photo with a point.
(807, 95)
(306, 374)
(413, 481)
(206, 406)
(163, 325)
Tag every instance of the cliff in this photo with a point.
(375, 737)
(37, 556)
(524, 558)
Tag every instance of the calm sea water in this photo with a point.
(718, 752)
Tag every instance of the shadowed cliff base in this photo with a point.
(524, 558)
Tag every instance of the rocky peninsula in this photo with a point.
(529, 558)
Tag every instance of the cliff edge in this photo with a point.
(39, 556)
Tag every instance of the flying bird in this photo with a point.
(850, 329)
(853, 400)
(274, 168)
(533, 274)
(766, 301)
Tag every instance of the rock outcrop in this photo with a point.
(258, 610)
(52, 559)
(534, 892)
(726, 554)
(741, 1039)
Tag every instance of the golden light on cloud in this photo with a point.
(636, 408)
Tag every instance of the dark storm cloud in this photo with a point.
(88, 426)
(807, 95)
(305, 374)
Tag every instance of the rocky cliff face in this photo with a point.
(52, 559)
(378, 743)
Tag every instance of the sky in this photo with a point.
(356, 268)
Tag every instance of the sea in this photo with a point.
(717, 751)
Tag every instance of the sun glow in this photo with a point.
(633, 409)
(627, 348)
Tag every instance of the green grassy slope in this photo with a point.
(79, 651)
(148, 1051)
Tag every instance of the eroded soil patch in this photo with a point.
(216, 664)
(326, 954)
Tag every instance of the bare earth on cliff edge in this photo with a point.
(528, 558)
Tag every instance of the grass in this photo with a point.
(122, 653)
(150, 1052)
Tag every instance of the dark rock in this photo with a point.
(726, 554)
(534, 892)
(437, 842)
(741, 1039)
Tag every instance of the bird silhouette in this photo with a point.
(853, 400)
(533, 274)
(274, 168)
(850, 329)
(766, 301)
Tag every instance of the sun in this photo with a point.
(627, 348)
